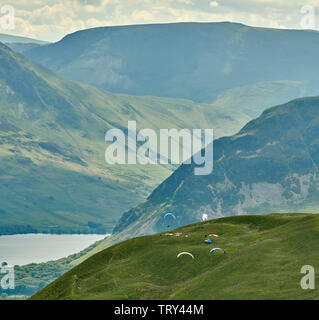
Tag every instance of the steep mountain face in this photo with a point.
(271, 165)
(53, 173)
(196, 61)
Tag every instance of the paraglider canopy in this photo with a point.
(204, 217)
(215, 249)
(208, 241)
(169, 214)
(168, 218)
(185, 253)
(214, 235)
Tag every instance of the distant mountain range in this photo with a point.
(7, 38)
(196, 61)
(20, 44)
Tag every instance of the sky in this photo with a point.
(52, 19)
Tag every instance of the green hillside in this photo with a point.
(196, 61)
(253, 99)
(52, 170)
(264, 256)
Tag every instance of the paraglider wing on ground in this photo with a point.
(215, 249)
(185, 253)
(213, 235)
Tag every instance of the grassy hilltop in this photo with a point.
(264, 256)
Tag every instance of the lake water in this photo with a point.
(23, 249)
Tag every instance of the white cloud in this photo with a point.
(190, 2)
(142, 15)
(213, 4)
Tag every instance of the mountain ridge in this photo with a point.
(163, 63)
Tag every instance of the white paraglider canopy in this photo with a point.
(183, 253)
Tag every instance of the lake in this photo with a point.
(21, 249)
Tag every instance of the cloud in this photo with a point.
(213, 4)
(190, 2)
(142, 15)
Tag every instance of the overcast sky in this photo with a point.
(53, 19)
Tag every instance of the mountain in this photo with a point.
(8, 38)
(22, 47)
(20, 44)
(53, 174)
(270, 165)
(196, 61)
(264, 256)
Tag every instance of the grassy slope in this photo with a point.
(255, 98)
(264, 256)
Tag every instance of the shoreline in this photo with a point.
(24, 249)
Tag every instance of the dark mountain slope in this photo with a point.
(270, 165)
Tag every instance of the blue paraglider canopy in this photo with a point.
(208, 241)
(215, 249)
